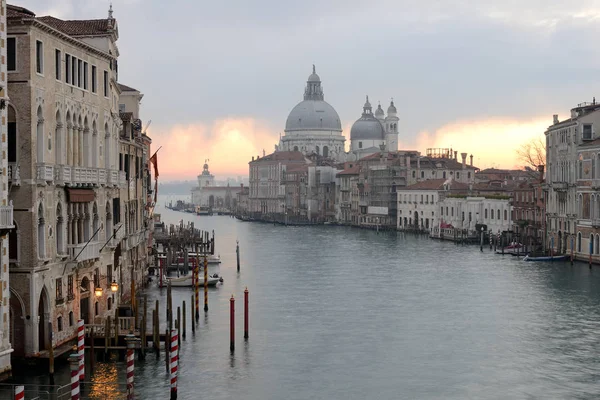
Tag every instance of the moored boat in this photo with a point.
(546, 258)
(187, 281)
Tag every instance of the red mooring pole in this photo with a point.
(20, 393)
(246, 313)
(232, 324)
(174, 363)
(80, 348)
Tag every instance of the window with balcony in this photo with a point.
(41, 231)
(60, 245)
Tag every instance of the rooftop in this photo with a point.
(281, 156)
(84, 27)
(125, 88)
(436, 184)
(354, 170)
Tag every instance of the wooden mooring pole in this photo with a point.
(184, 318)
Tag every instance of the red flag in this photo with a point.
(154, 161)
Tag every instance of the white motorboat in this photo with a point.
(186, 280)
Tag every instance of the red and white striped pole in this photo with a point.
(20, 393)
(80, 348)
(174, 363)
(74, 361)
(129, 373)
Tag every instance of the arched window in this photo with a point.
(94, 148)
(317, 149)
(69, 139)
(579, 242)
(325, 151)
(107, 143)
(108, 225)
(58, 137)
(295, 148)
(505, 215)
(85, 153)
(95, 221)
(40, 135)
(60, 246)
(41, 231)
(86, 223)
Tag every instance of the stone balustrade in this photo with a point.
(83, 252)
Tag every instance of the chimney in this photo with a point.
(252, 158)
(555, 118)
(464, 159)
(455, 155)
(541, 171)
(471, 159)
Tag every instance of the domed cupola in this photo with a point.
(314, 113)
(379, 114)
(392, 109)
(367, 127)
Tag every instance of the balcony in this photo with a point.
(63, 175)
(122, 179)
(113, 177)
(596, 223)
(83, 252)
(6, 217)
(102, 177)
(14, 174)
(559, 185)
(44, 173)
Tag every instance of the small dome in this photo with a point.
(367, 128)
(392, 108)
(314, 77)
(379, 111)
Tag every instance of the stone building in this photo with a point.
(567, 176)
(207, 195)
(439, 163)
(372, 132)
(6, 210)
(267, 188)
(68, 176)
(418, 207)
(296, 188)
(492, 211)
(528, 212)
(347, 194)
(134, 231)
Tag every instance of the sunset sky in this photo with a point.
(219, 78)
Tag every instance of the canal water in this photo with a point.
(337, 312)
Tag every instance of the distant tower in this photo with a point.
(391, 128)
(206, 178)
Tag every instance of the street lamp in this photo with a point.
(114, 287)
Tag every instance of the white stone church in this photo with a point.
(313, 127)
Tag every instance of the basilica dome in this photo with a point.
(314, 113)
(311, 115)
(367, 127)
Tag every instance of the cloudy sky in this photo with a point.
(220, 77)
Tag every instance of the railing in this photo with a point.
(14, 174)
(596, 223)
(113, 178)
(63, 174)
(126, 324)
(102, 176)
(6, 216)
(44, 173)
(90, 252)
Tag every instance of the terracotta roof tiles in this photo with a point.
(84, 27)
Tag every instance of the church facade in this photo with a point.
(206, 194)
